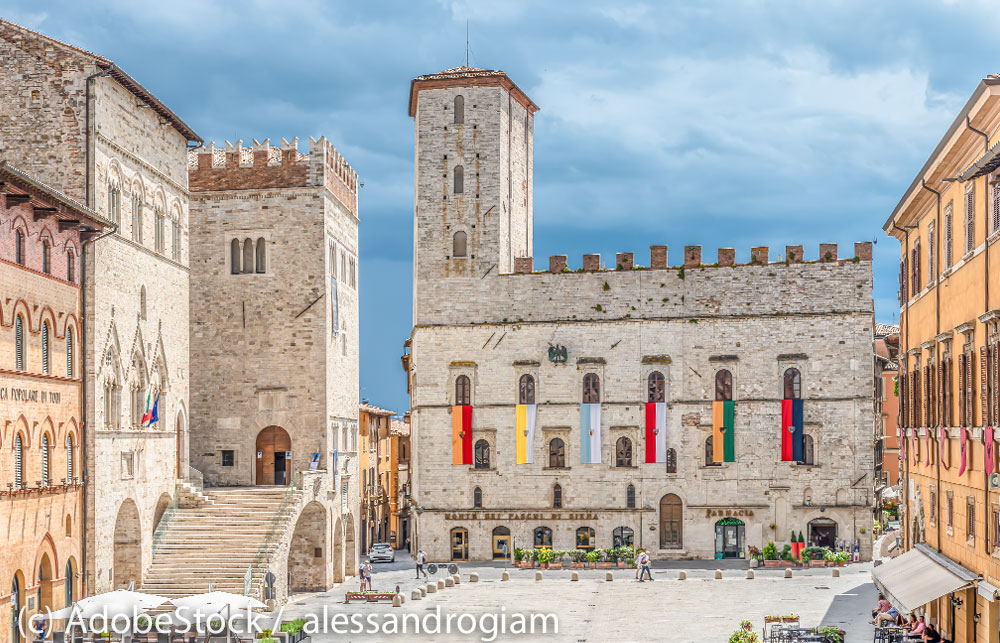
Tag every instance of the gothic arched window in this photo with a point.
(261, 263)
(463, 391)
(69, 351)
(18, 462)
(459, 244)
(557, 500)
(557, 453)
(623, 452)
(247, 255)
(19, 247)
(459, 179)
(477, 498)
(46, 257)
(482, 454)
(630, 496)
(526, 390)
(808, 450)
(709, 454)
(45, 347)
(234, 257)
(657, 388)
(723, 385)
(45, 460)
(591, 389)
(459, 110)
(19, 347)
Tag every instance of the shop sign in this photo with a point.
(32, 395)
(513, 516)
(729, 513)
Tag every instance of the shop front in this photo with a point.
(730, 534)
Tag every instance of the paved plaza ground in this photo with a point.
(698, 609)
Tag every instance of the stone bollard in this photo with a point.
(836, 573)
(415, 595)
(397, 600)
(609, 576)
(788, 573)
(718, 574)
(431, 588)
(449, 582)
(682, 576)
(504, 576)
(538, 575)
(457, 578)
(423, 590)
(749, 574)
(440, 583)
(473, 578)
(575, 576)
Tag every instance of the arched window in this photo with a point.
(557, 453)
(46, 257)
(69, 351)
(591, 389)
(477, 498)
(247, 256)
(235, 265)
(808, 450)
(709, 455)
(526, 390)
(657, 389)
(142, 303)
(459, 179)
(459, 245)
(630, 496)
(45, 347)
(18, 462)
(671, 461)
(69, 459)
(136, 217)
(482, 454)
(723, 385)
(19, 247)
(261, 265)
(70, 266)
(557, 496)
(45, 459)
(158, 221)
(175, 238)
(459, 110)
(463, 391)
(69, 532)
(70, 574)
(623, 452)
(543, 537)
(19, 343)
(793, 384)
(585, 538)
(622, 537)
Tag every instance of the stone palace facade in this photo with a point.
(599, 406)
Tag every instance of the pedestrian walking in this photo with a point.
(365, 573)
(644, 569)
(421, 559)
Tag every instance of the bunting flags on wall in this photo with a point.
(791, 431)
(723, 431)
(961, 465)
(656, 432)
(590, 433)
(461, 434)
(525, 433)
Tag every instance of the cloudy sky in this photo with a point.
(725, 124)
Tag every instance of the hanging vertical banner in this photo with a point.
(988, 437)
(930, 445)
(461, 434)
(961, 435)
(723, 431)
(590, 433)
(791, 431)
(656, 432)
(902, 443)
(944, 449)
(525, 433)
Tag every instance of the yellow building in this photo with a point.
(44, 242)
(948, 223)
(373, 462)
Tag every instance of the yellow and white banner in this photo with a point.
(525, 433)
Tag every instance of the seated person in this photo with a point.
(931, 635)
(886, 618)
(919, 627)
(882, 608)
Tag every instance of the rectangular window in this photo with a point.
(128, 465)
(228, 457)
(970, 523)
(354, 274)
(947, 235)
(931, 248)
(915, 267)
(970, 219)
(995, 204)
(175, 240)
(933, 501)
(950, 510)
(995, 522)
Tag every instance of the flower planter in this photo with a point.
(789, 619)
(817, 563)
(591, 565)
(605, 564)
(840, 563)
(545, 565)
(772, 619)
(576, 565)
(558, 565)
(772, 563)
(788, 563)
(621, 564)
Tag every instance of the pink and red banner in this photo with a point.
(961, 465)
(988, 436)
(944, 449)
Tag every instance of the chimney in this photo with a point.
(863, 250)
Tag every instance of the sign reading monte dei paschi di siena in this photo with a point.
(693, 410)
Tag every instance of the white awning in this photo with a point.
(914, 579)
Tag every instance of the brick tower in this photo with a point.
(473, 177)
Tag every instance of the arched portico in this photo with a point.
(350, 548)
(128, 546)
(338, 551)
(307, 555)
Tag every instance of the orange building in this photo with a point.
(43, 240)
(373, 462)
(948, 224)
(887, 409)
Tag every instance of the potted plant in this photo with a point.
(294, 630)
(790, 618)
(829, 558)
(605, 561)
(786, 556)
(772, 618)
(753, 553)
(518, 556)
(578, 559)
(556, 560)
(626, 556)
(770, 554)
(530, 557)
(592, 557)
(544, 556)
(831, 634)
(842, 557)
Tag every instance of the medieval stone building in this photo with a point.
(694, 410)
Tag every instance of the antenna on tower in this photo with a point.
(466, 43)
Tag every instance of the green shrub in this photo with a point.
(593, 556)
(770, 551)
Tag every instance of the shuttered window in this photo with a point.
(995, 203)
(961, 390)
(19, 343)
(970, 219)
(969, 413)
(917, 401)
(45, 347)
(45, 459)
(948, 216)
(931, 246)
(915, 267)
(69, 459)
(18, 462)
(69, 351)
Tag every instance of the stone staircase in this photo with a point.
(214, 536)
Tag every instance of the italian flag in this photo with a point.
(461, 435)
(791, 431)
(723, 431)
(525, 433)
(590, 434)
(656, 432)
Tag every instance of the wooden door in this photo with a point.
(671, 522)
(270, 440)
(459, 544)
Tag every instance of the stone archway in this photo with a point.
(338, 551)
(161, 508)
(273, 447)
(307, 555)
(350, 548)
(45, 583)
(17, 601)
(128, 546)
(671, 522)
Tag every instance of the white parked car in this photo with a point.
(382, 552)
